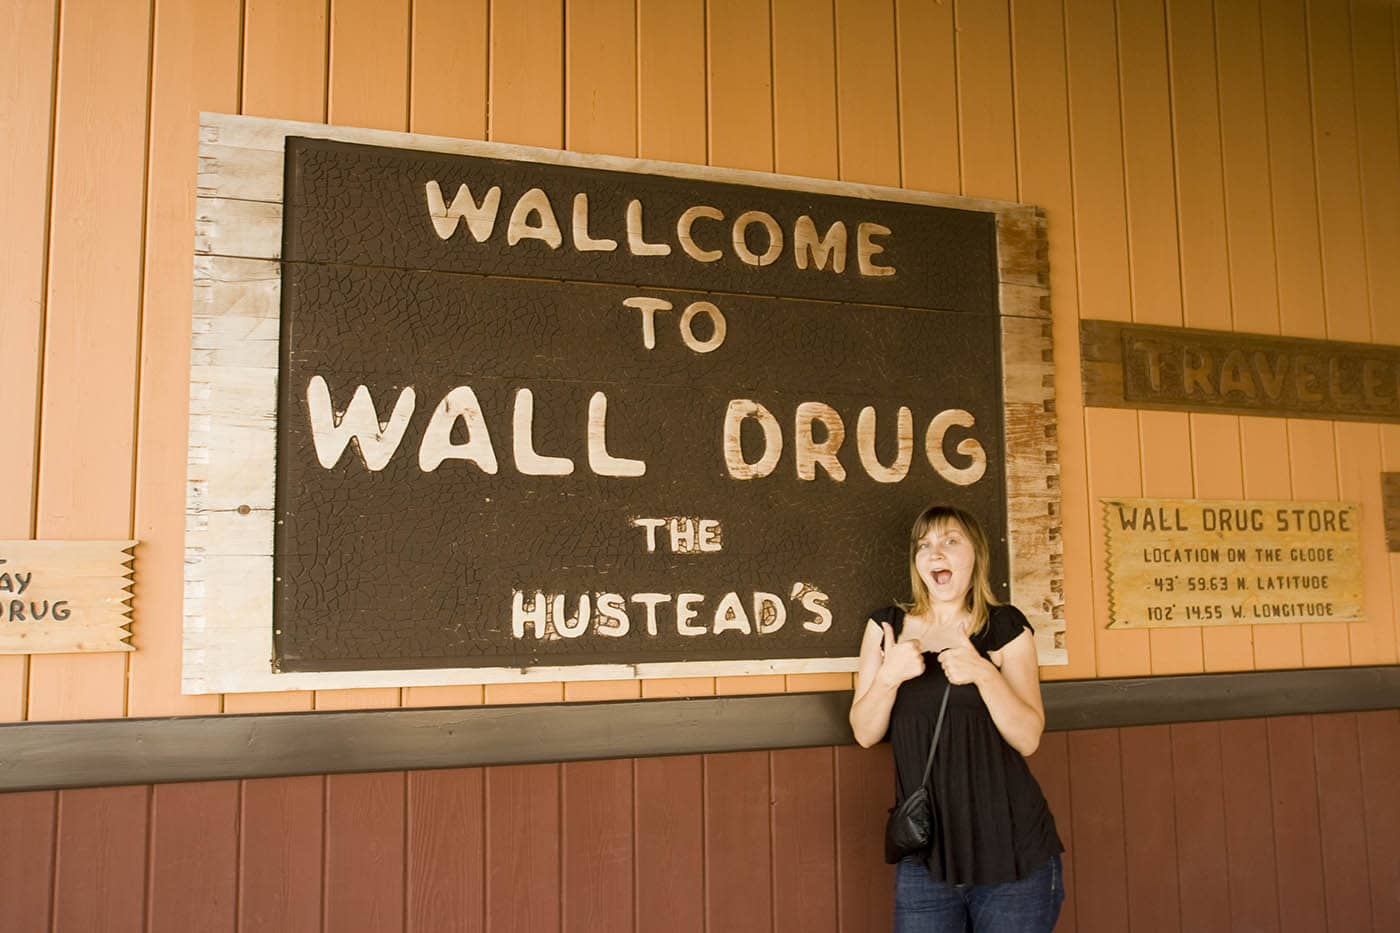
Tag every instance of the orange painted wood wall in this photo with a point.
(1208, 163)
(1283, 825)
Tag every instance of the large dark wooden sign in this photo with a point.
(542, 413)
(538, 413)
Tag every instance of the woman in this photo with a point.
(993, 865)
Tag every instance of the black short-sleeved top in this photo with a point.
(993, 822)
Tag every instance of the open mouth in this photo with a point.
(941, 577)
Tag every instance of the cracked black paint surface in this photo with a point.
(401, 568)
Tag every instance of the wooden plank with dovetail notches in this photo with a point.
(65, 596)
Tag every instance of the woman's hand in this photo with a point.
(962, 664)
(902, 660)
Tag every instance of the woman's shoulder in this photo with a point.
(1004, 623)
(894, 615)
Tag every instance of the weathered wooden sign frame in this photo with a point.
(234, 393)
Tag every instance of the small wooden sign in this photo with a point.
(1175, 562)
(1181, 369)
(65, 596)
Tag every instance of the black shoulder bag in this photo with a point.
(910, 826)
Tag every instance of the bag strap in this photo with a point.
(937, 728)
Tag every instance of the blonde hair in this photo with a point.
(980, 597)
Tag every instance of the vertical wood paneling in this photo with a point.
(1044, 168)
(1342, 816)
(864, 792)
(1147, 164)
(1096, 133)
(364, 884)
(670, 837)
(804, 840)
(91, 325)
(867, 92)
(27, 50)
(369, 45)
(600, 106)
(1264, 448)
(804, 89)
(285, 55)
(100, 863)
(1165, 438)
(1312, 459)
(1249, 825)
(182, 85)
(1378, 132)
(1338, 170)
(522, 849)
(985, 108)
(928, 97)
(527, 72)
(1149, 829)
(445, 873)
(740, 85)
(738, 843)
(1288, 111)
(1371, 641)
(1379, 739)
(194, 857)
(1244, 140)
(1096, 802)
(671, 80)
(281, 854)
(285, 66)
(1050, 765)
(1198, 787)
(1114, 470)
(1217, 464)
(26, 859)
(448, 62)
(597, 842)
(1293, 779)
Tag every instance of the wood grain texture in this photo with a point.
(180, 88)
(805, 101)
(281, 854)
(1378, 137)
(670, 831)
(928, 101)
(100, 862)
(364, 880)
(738, 842)
(448, 58)
(804, 840)
(1302, 892)
(985, 105)
(864, 793)
(1099, 830)
(1114, 469)
(522, 848)
(445, 850)
(597, 837)
(1341, 814)
(740, 85)
(600, 79)
(671, 79)
(1249, 825)
(526, 79)
(194, 857)
(867, 92)
(1149, 828)
(285, 55)
(1198, 789)
(27, 861)
(1379, 740)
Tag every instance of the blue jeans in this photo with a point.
(923, 905)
